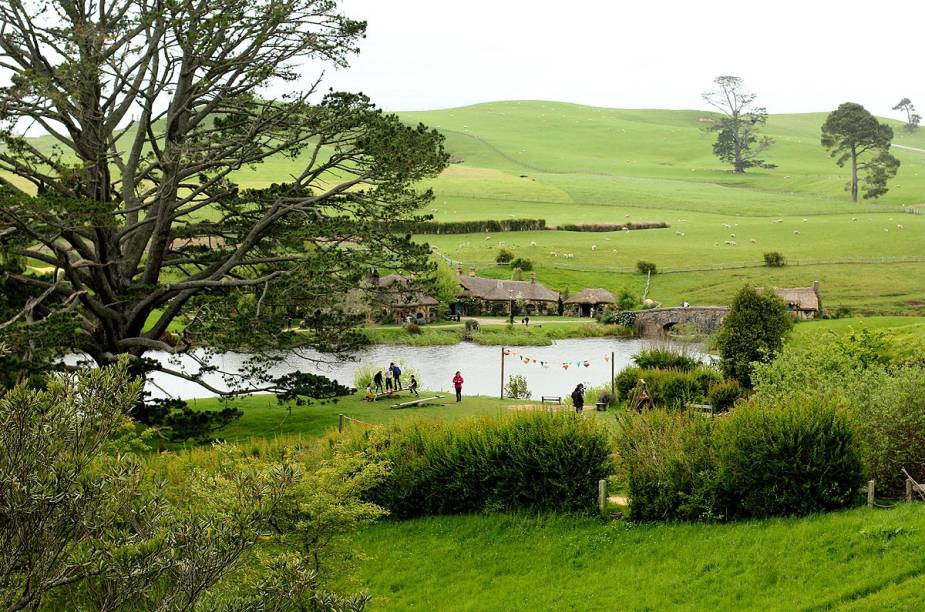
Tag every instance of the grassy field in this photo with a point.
(575, 164)
(858, 559)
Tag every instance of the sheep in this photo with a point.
(615, 251)
(569, 256)
(778, 220)
(886, 229)
(553, 254)
(753, 241)
(727, 226)
(626, 229)
(533, 243)
(805, 220)
(679, 233)
(899, 226)
(730, 243)
(854, 218)
(732, 235)
(796, 232)
(593, 247)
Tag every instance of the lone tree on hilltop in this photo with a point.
(737, 140)
(852, 134)
(129, 211)
(912, 118)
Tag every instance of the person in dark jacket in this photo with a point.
(578, 398)
(396, 374)
(377, 381)
(414, 385)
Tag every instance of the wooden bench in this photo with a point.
(600, 406)
(551, 399)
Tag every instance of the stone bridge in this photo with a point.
(658, 321)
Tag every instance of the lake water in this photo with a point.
(588, 361)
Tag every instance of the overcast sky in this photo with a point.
(807, 55)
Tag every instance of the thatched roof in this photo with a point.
(592, 296)
(494, 290)
(799, 298)
(394, 291)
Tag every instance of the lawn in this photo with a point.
(856, 559)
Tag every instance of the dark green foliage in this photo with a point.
(504, 256)
(617, 317)
(176, 421)
(671, 389)
(303, 387)
(607, 398)
(737, 130)
(788, 460)
(774, 259)
(723, 395)
(646, 267)
(627, 301)
(754, 330)
(761, 461)
(611, 227)
(525, 265)
(912, 118)
(470, 227)
(664, 359)
(852, 134)
(538, 461)
(414, 329)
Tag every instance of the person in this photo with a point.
(643, 399)
(370, 394)
(413, 387)
(389, 374)
(578, 398)
(457, 384)
(396, 373)
(377, 380)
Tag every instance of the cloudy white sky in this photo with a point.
(807, 55)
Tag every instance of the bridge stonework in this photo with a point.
(658, 321)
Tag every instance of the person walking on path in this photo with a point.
(396, 372)
(377, 380)
(414, 385)
(457, 384)
(578, 398)
(389, 374)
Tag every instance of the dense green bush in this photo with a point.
(537, 461)
(469, 227)
(610, 227)
(723, 395)
(788, 460)
(668, 388)
(627, 300)
(664, 359)
(761, 461)
(774, 260)
(646, 267)
(753, 331)
(524, 264)
(504, 256)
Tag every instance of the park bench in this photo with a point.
(551, 399)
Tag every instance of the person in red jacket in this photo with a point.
(458, 383)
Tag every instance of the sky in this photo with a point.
(798, 56)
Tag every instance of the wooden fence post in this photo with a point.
(340, 423)
(871, 496)
(908, 489)
(602, 495)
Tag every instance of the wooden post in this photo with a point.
(613, 390)
(502, 372)
(340, 422)
(908, 489)
(602, 495)
(871, 497)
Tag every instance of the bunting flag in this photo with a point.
(527, 360)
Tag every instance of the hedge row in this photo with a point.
(536, 461)
(672, 389)
(469, 227)
(611, 227)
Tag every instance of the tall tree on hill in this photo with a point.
(154, 108)
(738, 141)
(912, 119)
(852, 134)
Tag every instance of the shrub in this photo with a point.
(470, 328)
(668, 388)
(607, 398)
(504, 256)
(516, 388)
(753, 331)
(469, 227)
(774, 260)
(788, 460)
(524, 264)
(626, 319)
(646, 267)
(610, 227)
(538, 461)
(413, 328)
(664, 359)
(723, 395)
(627, 301)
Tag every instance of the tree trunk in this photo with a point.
(854, 175)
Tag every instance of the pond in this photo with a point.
(549, 370)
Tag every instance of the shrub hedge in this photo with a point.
(536, 461)
(610, 227)
(672, 389)
(663, 359)
(468, 227)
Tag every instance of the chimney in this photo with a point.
(459, 270)
(472, 271)
(533, 278)
(818, 293)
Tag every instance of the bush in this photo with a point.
(672, 389)
(516, 388)
(788, 460)
(610, 227)
(753, 331)
(524, 264)
(774, 260)
(627, 301)
(723, 395)
(537, 461)
(504, 256)
(606, 397)
(470, 328)
(469, 227)
(664, 359)
(413, 328)
(646, 267)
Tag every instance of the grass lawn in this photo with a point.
(905, 336)
(857, 559)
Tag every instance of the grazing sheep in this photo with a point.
(553, 254)
(854, 218)
(626, 229)
(732, 235)
(727, 226)
(805, 220)
(796, 232)
(899, 226)
(593, 247)
(615, 251)
(730, 243)
(753, 241)
(532, 243)
(778, 220)
(886, 229)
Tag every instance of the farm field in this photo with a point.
(574, 164)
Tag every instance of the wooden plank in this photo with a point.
(416, 402)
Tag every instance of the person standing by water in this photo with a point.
(457, 384)
(377, 380)
(578, 398)
(396, 372)
(389, 374)
(414, 385)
